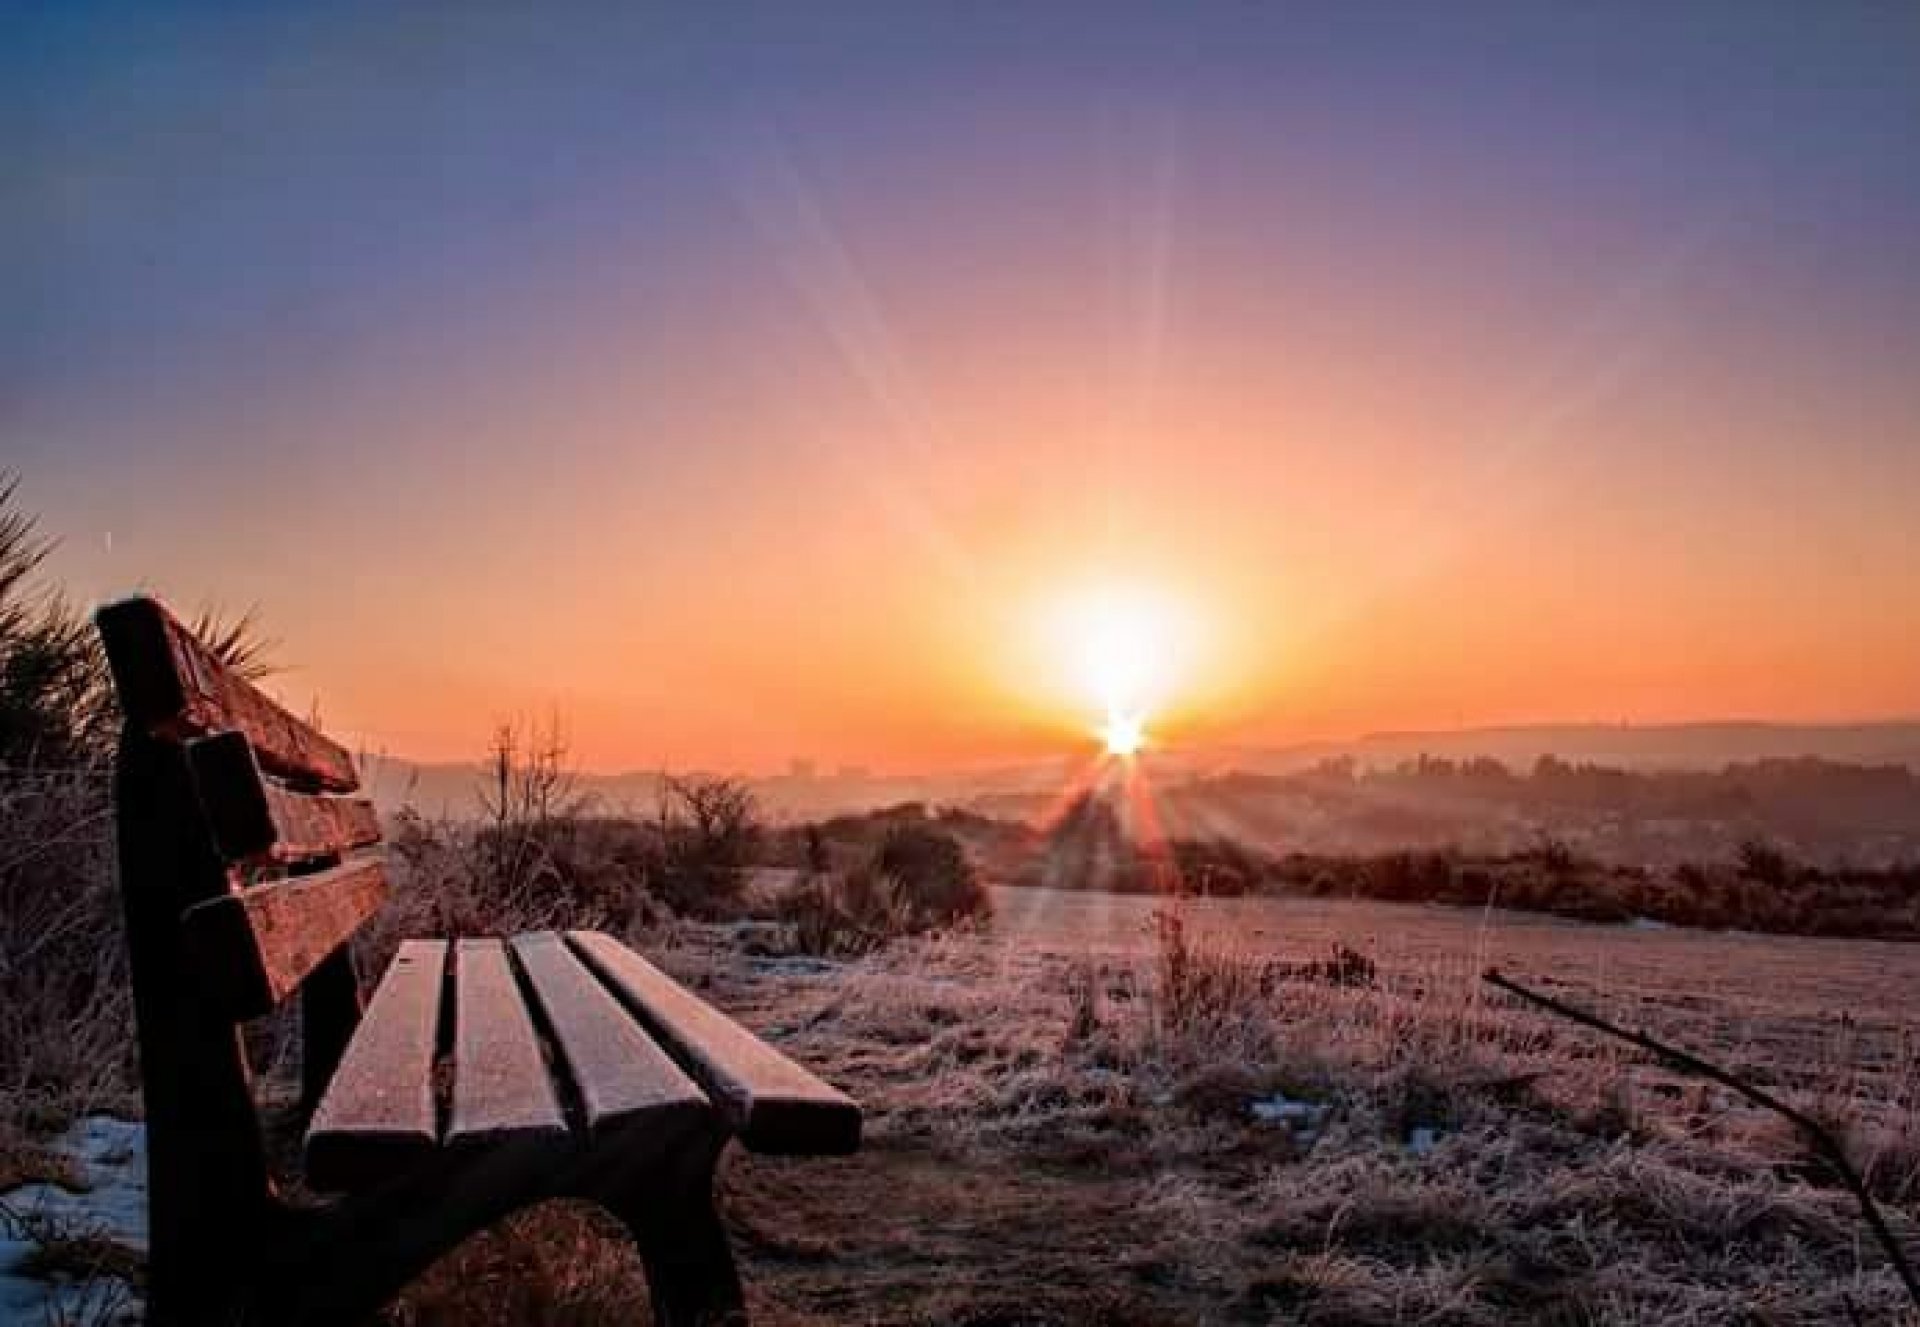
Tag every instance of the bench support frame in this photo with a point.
(211, 1201)
(359, 1254)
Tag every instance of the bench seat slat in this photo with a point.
(620, 1074)
(254, 818)
(172, 686)
(255, 946)
(772, 1103)
(377, 1115)
(501, 1085)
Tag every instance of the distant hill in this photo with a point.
(1013, 790)
(1626, 746)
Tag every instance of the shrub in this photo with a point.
(930, 872)
(1217, 866)
(844, 914)
(919, 879)
(1555, 856)
(1409, 876)
(708, 829)
(1761, 861)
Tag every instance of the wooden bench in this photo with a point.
(484, 1075)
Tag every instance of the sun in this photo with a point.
(1123, 733)
(1123, 640)
(1114, 658)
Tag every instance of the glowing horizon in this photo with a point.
(918, 391)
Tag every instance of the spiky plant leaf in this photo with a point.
(238, 642)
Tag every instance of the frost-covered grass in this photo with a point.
(1067, 1125)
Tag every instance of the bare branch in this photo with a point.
(1815, 1133)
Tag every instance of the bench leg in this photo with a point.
(690, 1271)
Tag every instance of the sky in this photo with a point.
(743, 383)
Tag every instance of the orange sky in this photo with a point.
(742, 421)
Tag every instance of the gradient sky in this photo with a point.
(755, 382)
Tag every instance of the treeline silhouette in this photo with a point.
(1760, 887)
(1821, 811)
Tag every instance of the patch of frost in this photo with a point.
(1282, 1109)
(111, 1158)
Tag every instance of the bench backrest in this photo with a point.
(273, 803)
(246, 865)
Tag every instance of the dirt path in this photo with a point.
(919, 1235)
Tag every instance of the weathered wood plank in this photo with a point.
(172, 686)
(501, 1086)
(378, 1113)
(773, 1104)
(254, 946)
(257, 819)
(618, 1071)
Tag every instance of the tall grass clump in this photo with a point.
(65, 1032)
(1207, 993)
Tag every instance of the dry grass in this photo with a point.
(560, 1264)
(66, 1012)
(24, 1160)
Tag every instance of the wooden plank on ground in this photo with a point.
(773, 1104)
(377, 1115)
(253, 947)
(171, 685)
(618, 1071)
(255, 818)
(501, 1085)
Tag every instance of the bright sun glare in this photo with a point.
(1123, 640)
(1123, 733)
